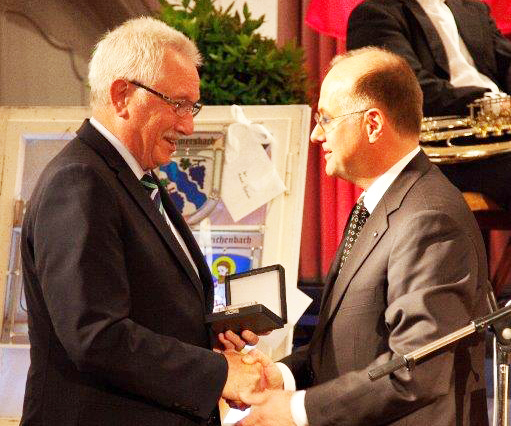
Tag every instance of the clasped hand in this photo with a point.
(248, 373)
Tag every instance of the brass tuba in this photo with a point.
(485, 132)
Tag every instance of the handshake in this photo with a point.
(254, 380)
(248, 374)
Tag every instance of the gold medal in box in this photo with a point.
(256, 301)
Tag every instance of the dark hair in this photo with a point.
(389, 83)
(224, 263)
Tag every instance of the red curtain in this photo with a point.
(501, 12)
(330, 16)
(328, 201)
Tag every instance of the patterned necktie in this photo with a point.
(358, 218)
(151, 187)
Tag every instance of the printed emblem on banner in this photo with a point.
(233, 252)
(194, 176)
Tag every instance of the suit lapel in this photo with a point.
(133, 186)
(89, 135)
(337, 283)
(432, 37)
(371, 234)
(332, 275)
(333, 272)
(195, 252)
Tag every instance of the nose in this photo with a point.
(317, 135)
(185, 124)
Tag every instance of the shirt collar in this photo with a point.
(375, 192)
(119, 146)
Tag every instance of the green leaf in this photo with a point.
(246, 13)
(241, 66)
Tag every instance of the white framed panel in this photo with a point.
(280, 227)
(17, 126)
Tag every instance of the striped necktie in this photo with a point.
(151, 187)
(149, 184)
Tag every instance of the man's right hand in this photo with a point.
(272, 375)
(242, 377)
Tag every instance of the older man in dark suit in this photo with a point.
(411, 269)
(458, 55)
(117, 289)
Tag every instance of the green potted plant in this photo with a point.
(240, 65)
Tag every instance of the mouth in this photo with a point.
(327, 152)
(171, 142)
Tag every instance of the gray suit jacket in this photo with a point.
(415, 274)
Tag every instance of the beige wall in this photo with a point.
(268, 8)
(43, 53)
(45, 46)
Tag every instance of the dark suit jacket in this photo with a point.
(403, 27)
(415, 274)
(116, 311)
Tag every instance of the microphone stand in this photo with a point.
(499, 322)
(501, 362)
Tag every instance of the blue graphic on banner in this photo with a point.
(188, 177)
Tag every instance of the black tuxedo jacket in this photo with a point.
(116, 311)
(403, 27)
(415, 274)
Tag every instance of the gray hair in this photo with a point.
(135, 51)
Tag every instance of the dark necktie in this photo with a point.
(149, 184)
(357, 220)
(151, 187)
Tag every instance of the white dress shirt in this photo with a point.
(139, 172)
(461, 64)
(372, 197)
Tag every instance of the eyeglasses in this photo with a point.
(182, 106)
(323, 121)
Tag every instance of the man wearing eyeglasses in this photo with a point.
(411, 269)
(116, 286)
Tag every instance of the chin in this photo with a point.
(164, 159)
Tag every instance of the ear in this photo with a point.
(120, 95)
(374, 122)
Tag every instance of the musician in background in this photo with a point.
(458, 55)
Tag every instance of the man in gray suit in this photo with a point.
(414, 272)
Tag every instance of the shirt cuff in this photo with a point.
(297, 399)
(298, 409)
(287, 376)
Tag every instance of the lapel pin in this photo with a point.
(375, 234)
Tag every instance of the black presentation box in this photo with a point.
(256, 301)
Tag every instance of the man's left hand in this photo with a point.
(231, 340)
(269, 408)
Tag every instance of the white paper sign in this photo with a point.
(249, 179)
